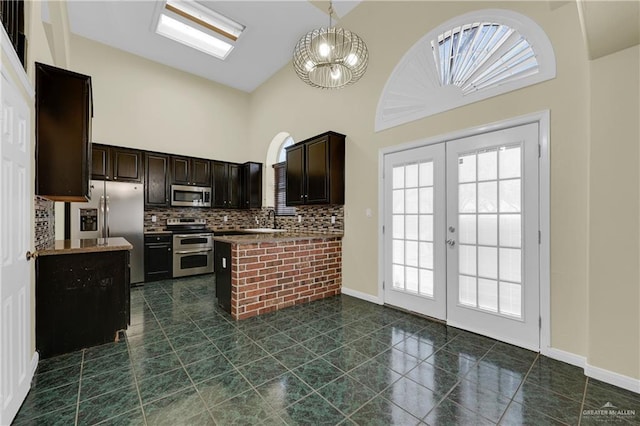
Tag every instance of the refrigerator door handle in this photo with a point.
(101, 218)
(107, 233)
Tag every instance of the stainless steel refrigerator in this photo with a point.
(116, 209)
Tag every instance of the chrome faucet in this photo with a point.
(274, 217)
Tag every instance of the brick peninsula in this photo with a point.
(261, 273)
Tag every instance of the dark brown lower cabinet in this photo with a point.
(82, 300)
(222, 267)
(158, 257)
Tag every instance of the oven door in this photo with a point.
(192, 262)
(192, 254)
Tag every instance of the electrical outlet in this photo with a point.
(333, 220)
(154, 218)
(224, 219)
(299, 218)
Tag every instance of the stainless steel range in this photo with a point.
(192, 246)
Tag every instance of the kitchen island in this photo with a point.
(261, 273)
(82, 294)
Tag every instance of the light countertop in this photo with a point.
(89, 245)
(275, 238)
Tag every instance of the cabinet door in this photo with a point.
(234, 186)
(126, 165)
(317, 168)
(295, 175)
(200, 172)
(100, 162)
(252, 185)
(156, 180)
(180, 171)
(158, 259)
(63, 134)
(222, 266)
(219, 172)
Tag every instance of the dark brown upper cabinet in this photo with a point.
(315, 170)
(116, 163)
(190, 171)
(63, 134)
(156, 182)
(227, 185)
(251, 185)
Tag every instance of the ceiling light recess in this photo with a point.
(192, 24)
(330, 58)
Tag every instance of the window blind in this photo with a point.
(280, 191)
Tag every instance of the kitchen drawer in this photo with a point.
(157, 238)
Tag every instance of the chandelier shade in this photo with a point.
(330, 58)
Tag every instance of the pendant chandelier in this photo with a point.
(330, 58)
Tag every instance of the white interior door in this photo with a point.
(414, 230)
(492, 235)
(15, 240)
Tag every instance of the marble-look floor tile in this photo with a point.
(317, 373)
(165, 384)
(312, 410)
(382, 412)
(175, 408)
(108, 405)
(375, 375)
(450, 413)
(346, 394)
(245, 409)
(283, 391)
(223, 387)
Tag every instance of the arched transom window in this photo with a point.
(472, 57)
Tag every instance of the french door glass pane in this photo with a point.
(490, 230)
(412, 231)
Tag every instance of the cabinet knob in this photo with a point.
(168, 249)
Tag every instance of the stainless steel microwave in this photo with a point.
(190, 196)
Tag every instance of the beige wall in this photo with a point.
(614, 209)
(142, 104)
(285, 104)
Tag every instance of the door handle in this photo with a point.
(31, 255)
(451, 242)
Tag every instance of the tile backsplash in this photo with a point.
(313, 218)
(45, 221)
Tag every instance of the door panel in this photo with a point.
(294, 175)
(317, 162)
(414, 230)
(15, 240)
(492, 230)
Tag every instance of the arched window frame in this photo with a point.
(413, 90)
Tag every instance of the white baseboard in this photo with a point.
(616, 379)
(564, 356)
(34, 363)
(360, 295)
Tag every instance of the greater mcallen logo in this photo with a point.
(609, 412)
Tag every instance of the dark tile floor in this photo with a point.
(336, 361)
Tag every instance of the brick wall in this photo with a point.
(266, 277)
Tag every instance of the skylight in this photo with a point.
(479, 55)
(193, 25)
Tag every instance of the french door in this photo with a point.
(476, 236)
(415, 271)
